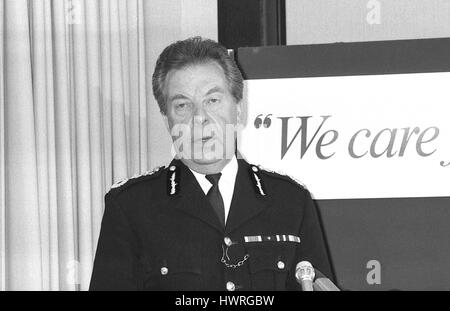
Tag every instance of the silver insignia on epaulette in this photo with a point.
(150, 172)
(120, 183)
(147, 173)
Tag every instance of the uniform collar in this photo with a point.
(228, 177)
(188, 196)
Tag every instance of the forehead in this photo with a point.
(195, 78)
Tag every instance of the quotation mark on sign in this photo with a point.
(265, 123)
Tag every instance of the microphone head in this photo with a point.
(304, 271)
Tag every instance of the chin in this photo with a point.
(206, 160)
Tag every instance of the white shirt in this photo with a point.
(226, 183)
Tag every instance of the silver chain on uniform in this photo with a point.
(233, 266)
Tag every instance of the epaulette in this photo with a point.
(281, 175)
(128, 181)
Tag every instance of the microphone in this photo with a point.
(324, 284)
(304, 273)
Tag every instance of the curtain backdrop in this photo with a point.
(76, 115)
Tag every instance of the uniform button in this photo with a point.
(254, 168)
(164, 270)
(227, 241)
(280, 265)
(230, 286)
(172, 168)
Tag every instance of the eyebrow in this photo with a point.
(215, 89)
(177, 96)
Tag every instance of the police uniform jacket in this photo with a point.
(159, 232)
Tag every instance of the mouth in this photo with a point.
(206, 139)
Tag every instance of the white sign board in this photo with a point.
(353, 137)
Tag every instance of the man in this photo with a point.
(209, 221)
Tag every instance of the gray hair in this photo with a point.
(191, 51)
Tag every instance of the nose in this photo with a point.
(200, 116)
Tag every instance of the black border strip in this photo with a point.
(344, 59)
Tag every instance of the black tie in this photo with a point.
(215, 198)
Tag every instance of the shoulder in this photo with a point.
(284, 188)
(279, 177)
(134, 182)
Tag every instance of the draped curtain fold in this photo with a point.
(72, 122)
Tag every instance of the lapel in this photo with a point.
(247, 201)
(189, 197)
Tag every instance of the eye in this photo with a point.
(214, 101)
(181, 106)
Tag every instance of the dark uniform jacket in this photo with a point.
(159, 232)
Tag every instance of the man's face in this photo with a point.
(201, 116)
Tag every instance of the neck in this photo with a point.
(207, 169)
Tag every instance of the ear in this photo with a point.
(239, 112)
(166, 121)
